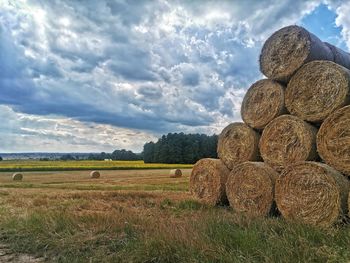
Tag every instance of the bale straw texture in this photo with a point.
(317, 89)
(17, 177)
(208, 179)
(175, 173)
(285, 51)
(286, 140)
(312, 193)
(340, 56)
(333, 140)
(238, 143)
(250, 188)
(95, 174)
(263, 102)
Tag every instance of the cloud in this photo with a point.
(155, 66)
(28, 133)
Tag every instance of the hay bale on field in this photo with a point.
(95, 174)
(17, 177)
(333, 140)
(238, 143)
(208, 179)
(313, 193)
(340, 56)
(286, 140)
(286, 50)
(317, 89)
(250, 188)
(263, 102)
(175, 173)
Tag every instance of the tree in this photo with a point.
(180, 148)
(1, 158)
(67, 157)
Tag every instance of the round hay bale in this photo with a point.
(317, 89)
(286, 50)
(263, 102)
(208, 179)
(333, 140)
(250, 188)
(238, 143)
(340, 56)
(312, 193)
(95, 174)
(175, 173)
(286, 140)
(17, 177)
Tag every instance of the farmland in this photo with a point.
(145, 216)
(35, 165)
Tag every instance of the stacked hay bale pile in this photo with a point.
(293, 149)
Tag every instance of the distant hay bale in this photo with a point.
(17, 177)
(286, 140)
(250, 188)
(333, 140)
(340, 56)
(286, 50)
(175, 173)
(317, 89)
(208, 179)
(263, 102)
(312, 193)
(238, 143)
(95, 174)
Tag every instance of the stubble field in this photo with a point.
(145, 216)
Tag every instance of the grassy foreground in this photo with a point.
(72, 225)
(35, 165)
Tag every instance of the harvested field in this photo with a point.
(286, 140)
(143, 226)
(318, 89)
(263, 102)
(312, 193)
(250, 189)
(238, 143)
(333, 140)
(145, 180)
(285, 51)
(208, 180)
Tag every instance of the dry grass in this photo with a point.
(208, 180)
(175, 173)
(312, 193)
(286, 50)
(250, 188)
(317, 89)
(149, 226)
(150, 180)
(263, 102)
(287, 140)
(333, 140)
(238, 143)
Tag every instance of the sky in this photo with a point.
(91, 76)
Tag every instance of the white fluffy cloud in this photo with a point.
(25, 133)
(152, 66)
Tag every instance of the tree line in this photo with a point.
(120, 155)
(180, 148)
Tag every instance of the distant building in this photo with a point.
(107, 160)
